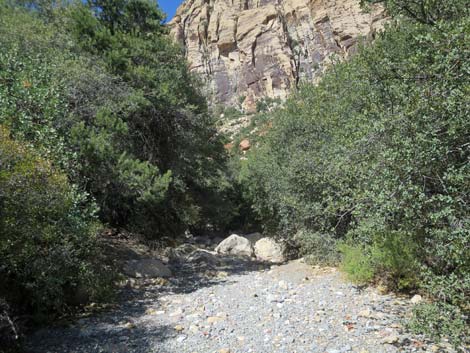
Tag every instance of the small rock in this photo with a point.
(181, 338)
(214, 319)
(179, 328)
(365, 313)
(177, 312)
(224, 350)
(416, 299)
(271, 298)
(222, 274)
(192, 316)
(130, 325)
(245, 145)
(392, 339)
(150, 268)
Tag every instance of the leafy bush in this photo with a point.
(428, 12)
(391, 258)
(31, 103)
(377, 157)
(439, 320)
(47, 232)
(110, 99)
(356, 263)
(232, 113)
(317, 249)
(267, 104)
(165, 116)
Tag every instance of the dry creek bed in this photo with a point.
(240, 308)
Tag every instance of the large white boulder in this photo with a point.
(235, 245)
(267, 249)
(149, 268)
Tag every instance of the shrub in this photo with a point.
(356, 263)
(267, 104)
(232, 113)
(317, 248)
(391, 258)
(395, 258)
(47, 233)
(377, 155)
(440, 320)
(112, 102)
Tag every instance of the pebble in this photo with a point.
(416, 299)
(214, 319)
(392, 339)
(181, 338)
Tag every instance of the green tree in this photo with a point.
(376, 158)
(47, 233)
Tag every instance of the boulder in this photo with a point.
(267, 249)
(204, 256)
(178, 254)
(149, 268)
(235, 245)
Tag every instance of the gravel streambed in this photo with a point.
(244, 307)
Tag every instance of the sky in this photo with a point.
(169, 7)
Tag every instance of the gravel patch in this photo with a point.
(243, 306)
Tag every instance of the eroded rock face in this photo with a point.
(250, 49)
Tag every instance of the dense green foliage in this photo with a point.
(110, 97)
(428, 12)
(376, 158)
(47, 232)
(105, 125)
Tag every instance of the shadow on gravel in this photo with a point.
(101, 338)
(124, 329)
(193, 276)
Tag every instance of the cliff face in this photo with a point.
(250, 49)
